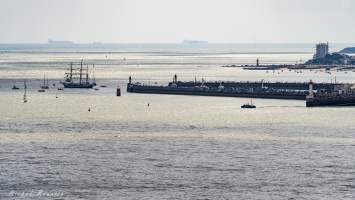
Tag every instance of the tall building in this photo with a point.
(322, 50)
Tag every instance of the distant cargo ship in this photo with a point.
(59, 42)
(194, 42)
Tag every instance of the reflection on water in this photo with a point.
(181, 147)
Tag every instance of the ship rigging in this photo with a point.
(77, 78)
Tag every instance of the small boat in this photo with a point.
(60, 88)
(249, 105)
(15, 88)
(41, 90)
(103, 86)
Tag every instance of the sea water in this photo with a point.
(178, 147)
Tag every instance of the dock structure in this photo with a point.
(258, 84)
(343, 95)
(277, 90)
(326, 93)
(134, 88)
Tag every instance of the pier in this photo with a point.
(259, 84)
(278, 90)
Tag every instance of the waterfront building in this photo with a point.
(346, 88)
(321, 50)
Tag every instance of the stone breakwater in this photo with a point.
(206, 91)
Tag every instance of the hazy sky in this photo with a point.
(171, 21)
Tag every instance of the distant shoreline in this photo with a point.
(350, 50)
(293, 67)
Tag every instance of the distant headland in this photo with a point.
(321, 60)
(323, 57)
(348, 50)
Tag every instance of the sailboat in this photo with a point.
(45, 86)
(25, 97)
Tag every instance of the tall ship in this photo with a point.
(78, 78)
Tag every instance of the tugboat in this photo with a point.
(79, 79)
(249, 105)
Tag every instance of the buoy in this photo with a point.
(89, 109)
(118, 91)
(148, 104)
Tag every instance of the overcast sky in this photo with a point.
(171, 21)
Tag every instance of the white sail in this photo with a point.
(25, 97)
(45, 86)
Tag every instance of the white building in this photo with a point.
(346, 88)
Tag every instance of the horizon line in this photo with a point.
(102, 43)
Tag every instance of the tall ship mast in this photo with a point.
(77, 78)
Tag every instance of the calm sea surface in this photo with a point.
(179, 147)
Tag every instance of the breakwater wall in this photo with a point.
(247, 85)
(135, 88)
(331, 101)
